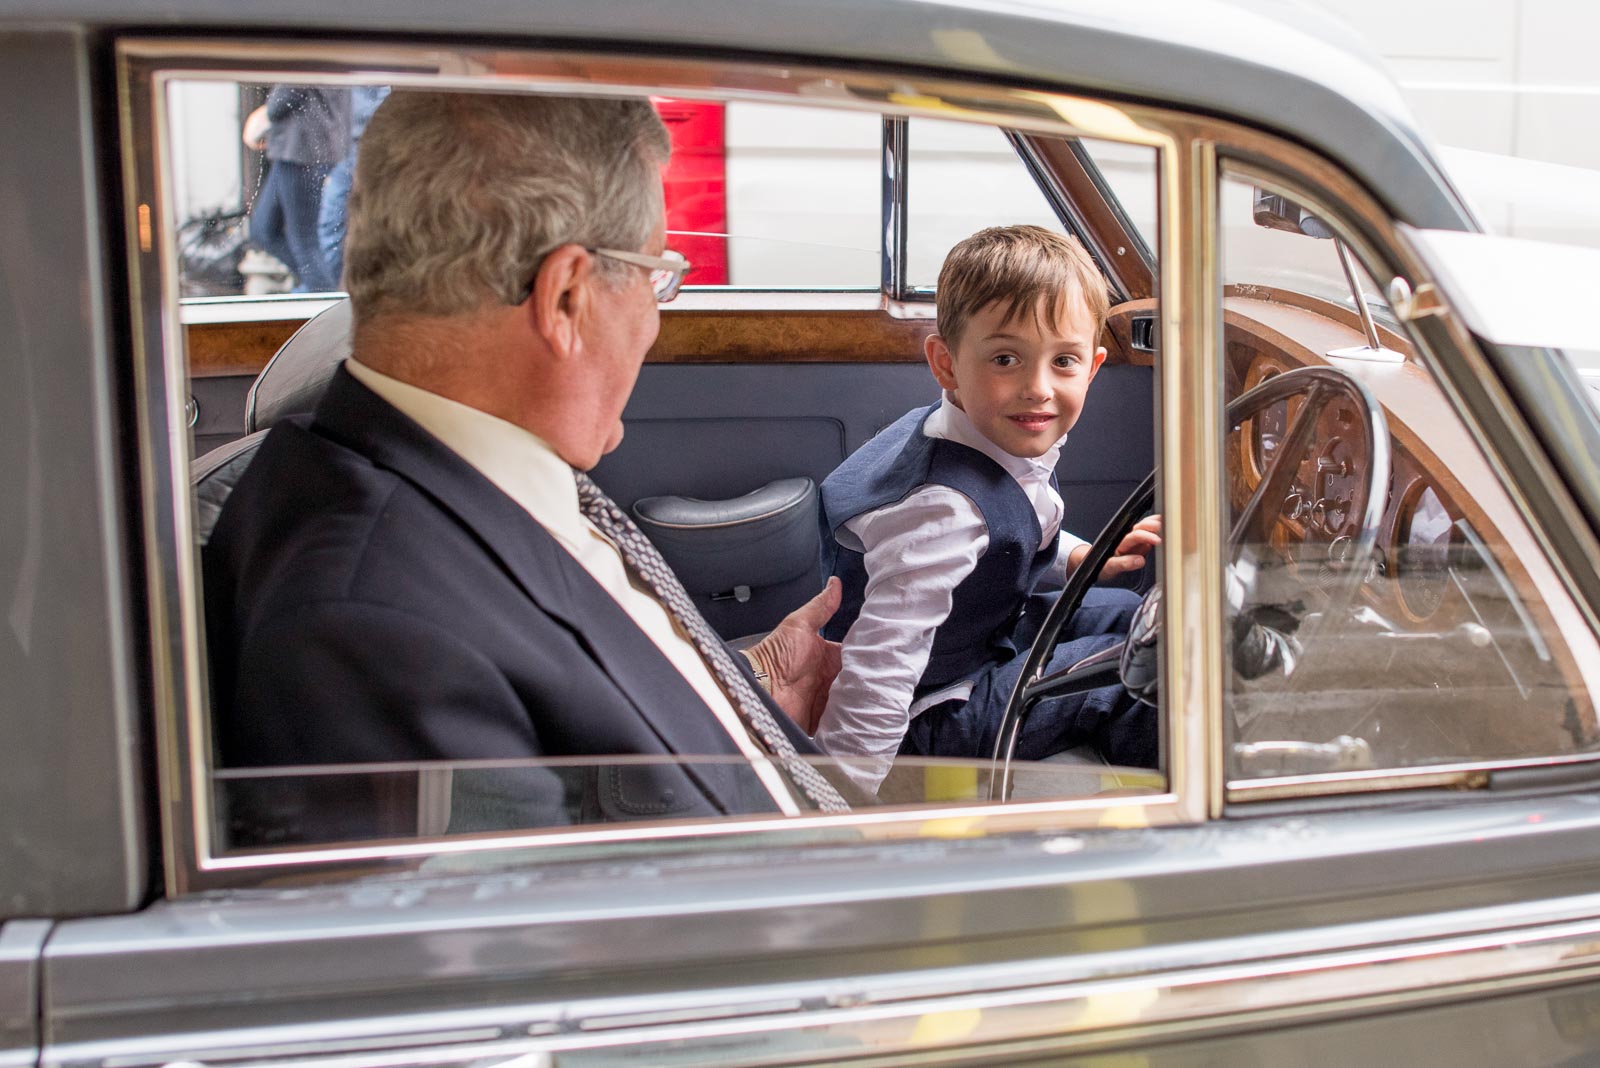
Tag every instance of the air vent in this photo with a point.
(1142, 329)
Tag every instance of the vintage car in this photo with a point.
(1369, 638)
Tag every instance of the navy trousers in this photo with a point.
(284, 222)
(1119, 728)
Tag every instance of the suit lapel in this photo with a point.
(356, 417)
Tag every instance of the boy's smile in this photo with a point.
(1021, 380)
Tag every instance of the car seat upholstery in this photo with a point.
(290, 384)
(747, 561)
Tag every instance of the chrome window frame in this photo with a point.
(1383, 252)
(1193, 507)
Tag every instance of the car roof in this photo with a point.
(1275, 64)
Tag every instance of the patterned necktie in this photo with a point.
(643, 560)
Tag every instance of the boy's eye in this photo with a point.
(1002, 359)
(1067, 359)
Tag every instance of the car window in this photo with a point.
(1129, 172)
(1387, 607)
(964, 176)
(763, 196)
(794, 200)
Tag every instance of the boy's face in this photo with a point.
(1022, 382)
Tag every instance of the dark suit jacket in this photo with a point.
(371, 597)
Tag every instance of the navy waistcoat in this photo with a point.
(988, 603)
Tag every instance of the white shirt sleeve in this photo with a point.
(917, 552)
(1061, 567)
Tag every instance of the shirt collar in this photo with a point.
(520, 463)
(953, 424)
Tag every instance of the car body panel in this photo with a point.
(1515, 291)
(1148, 920)
(76, 841)
(21, 944)
(1319, 88)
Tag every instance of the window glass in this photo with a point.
(803, 197)
(757, 195)
(1130, 173)
(451, 695)
(963, 177)
(1387, 607)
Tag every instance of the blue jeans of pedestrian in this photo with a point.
(1119, 728)
(284, 222)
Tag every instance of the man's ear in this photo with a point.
(942, 362)
(560, 298)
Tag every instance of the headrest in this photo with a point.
(295, 377)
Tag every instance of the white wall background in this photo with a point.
(1519, 77)
(1516, 78)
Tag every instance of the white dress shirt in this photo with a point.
(918, 550)
(528, 471)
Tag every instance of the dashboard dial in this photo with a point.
(1423, 552)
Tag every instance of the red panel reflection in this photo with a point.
(697, 187)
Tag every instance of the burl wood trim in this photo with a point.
(788, 336)
(235, 348)
(747, 334)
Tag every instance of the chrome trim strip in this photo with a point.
(961, 820)
(1465, 775)
(1192, 501)
(896, 199)
(1123, 1001)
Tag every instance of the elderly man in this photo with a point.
(422, 571)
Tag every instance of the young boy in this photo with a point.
(945, 524)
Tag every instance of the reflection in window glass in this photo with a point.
(757, 195)
(311, 806)
(1387, 607)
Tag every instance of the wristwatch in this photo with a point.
(764, 679)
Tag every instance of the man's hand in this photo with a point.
(255, 128)
(1144, 536)
(801, 663)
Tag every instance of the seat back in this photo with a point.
(293, 380)
(291, 384)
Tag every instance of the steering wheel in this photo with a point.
(1136, 663)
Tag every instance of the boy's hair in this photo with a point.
(1022, 267)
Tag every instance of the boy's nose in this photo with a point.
(1037, 387)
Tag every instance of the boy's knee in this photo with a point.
(1106, 611)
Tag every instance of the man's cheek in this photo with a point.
(614, 438)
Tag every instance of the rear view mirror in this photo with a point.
(1280, 213)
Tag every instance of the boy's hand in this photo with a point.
(1144, 536)
(801, 664)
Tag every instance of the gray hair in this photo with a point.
(458, 196)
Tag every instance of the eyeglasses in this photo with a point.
(666, 270)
